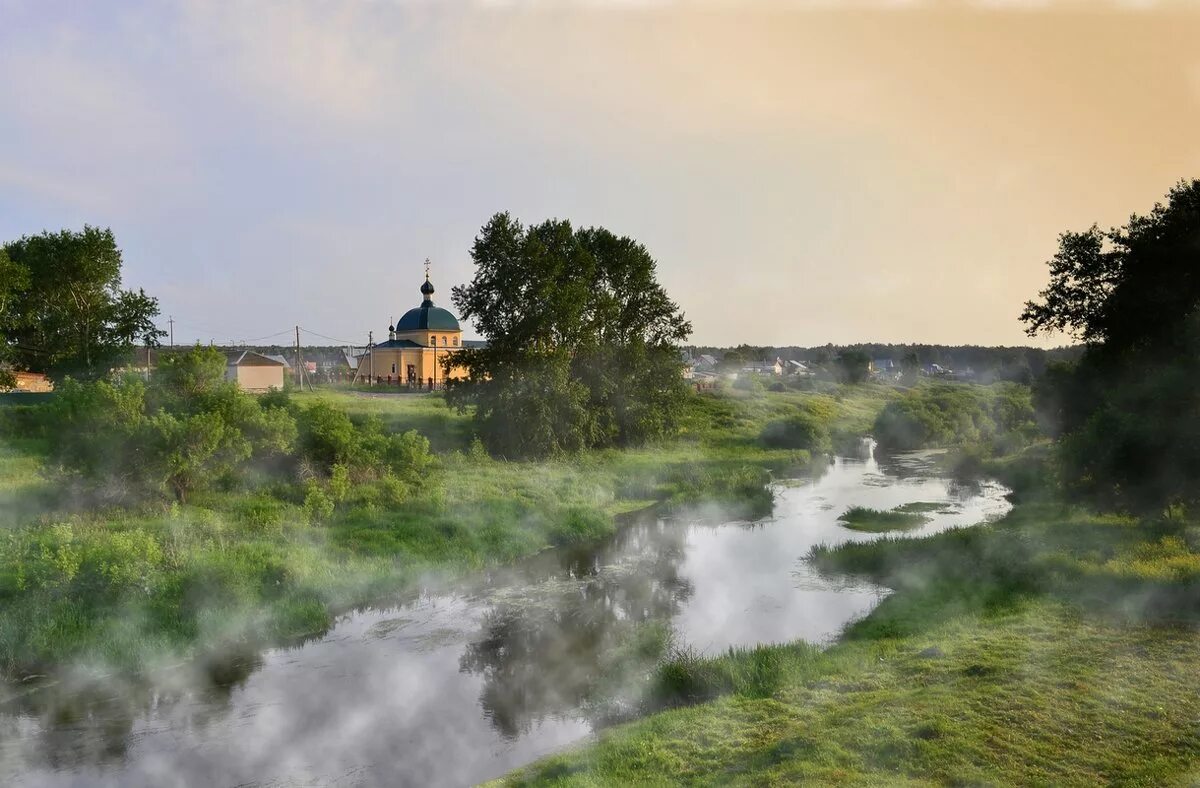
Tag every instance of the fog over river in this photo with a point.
(461, 685)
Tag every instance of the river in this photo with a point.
(463, 684)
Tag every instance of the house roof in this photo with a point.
(278, 357)
(240, 358)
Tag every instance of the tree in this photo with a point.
(13, 279)
(853, 366)
(1129, 411)
(910, 368)
(582, 340)
(69, 313)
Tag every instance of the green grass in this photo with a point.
(129, 587)
(1027, 693)
(1055, 647)
(862, 518)
(921, 507)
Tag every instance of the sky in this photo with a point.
(803, 172)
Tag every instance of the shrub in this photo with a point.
(318, 506)
(940, 415)
(799, 431)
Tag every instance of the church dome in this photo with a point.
(427, 316)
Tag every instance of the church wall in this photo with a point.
(425, 361)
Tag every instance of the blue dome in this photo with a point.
(428, 316)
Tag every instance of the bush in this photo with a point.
(942, 415)
(799, 431)
(578, 525)
(318, 506)
(186, 431)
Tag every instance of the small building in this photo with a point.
(416, 347)
(254, 372)
(31, 382)
(794, 367)
(704, 381)
(282, 359)
(764, 367)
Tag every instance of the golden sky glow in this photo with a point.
(803, 174)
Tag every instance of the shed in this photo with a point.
(254, 372)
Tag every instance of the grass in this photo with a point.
(1055, 647)
(127, 588)
(1029, 693)
(920, 507)
(862, 518)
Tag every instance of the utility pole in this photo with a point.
(171, 323)
(299, 373)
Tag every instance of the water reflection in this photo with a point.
(566, 646)
(455, 687)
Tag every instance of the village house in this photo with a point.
(764, 367)
(416, 347)
(254, 372)
(30, 382)
(884, 368)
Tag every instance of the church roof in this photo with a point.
(398, 343)
(427, 316)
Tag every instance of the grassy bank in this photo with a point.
(260, 558)
(1055, 647)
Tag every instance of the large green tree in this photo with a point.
(582, 340)
(14, 278)
(68, 314)
(1129, 410)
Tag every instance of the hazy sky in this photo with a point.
(804, 172)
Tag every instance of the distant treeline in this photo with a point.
(1020, 364)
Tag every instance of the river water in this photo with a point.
(461, 685)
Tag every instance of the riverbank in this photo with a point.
(1052, 647)
(128, 588)
(487, 673)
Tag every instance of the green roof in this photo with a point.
(427, 316)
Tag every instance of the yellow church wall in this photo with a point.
(394, 362)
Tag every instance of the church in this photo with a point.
(416, 348)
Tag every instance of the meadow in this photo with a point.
(257, 559)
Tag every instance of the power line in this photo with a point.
(231, 341)
(331, 339)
